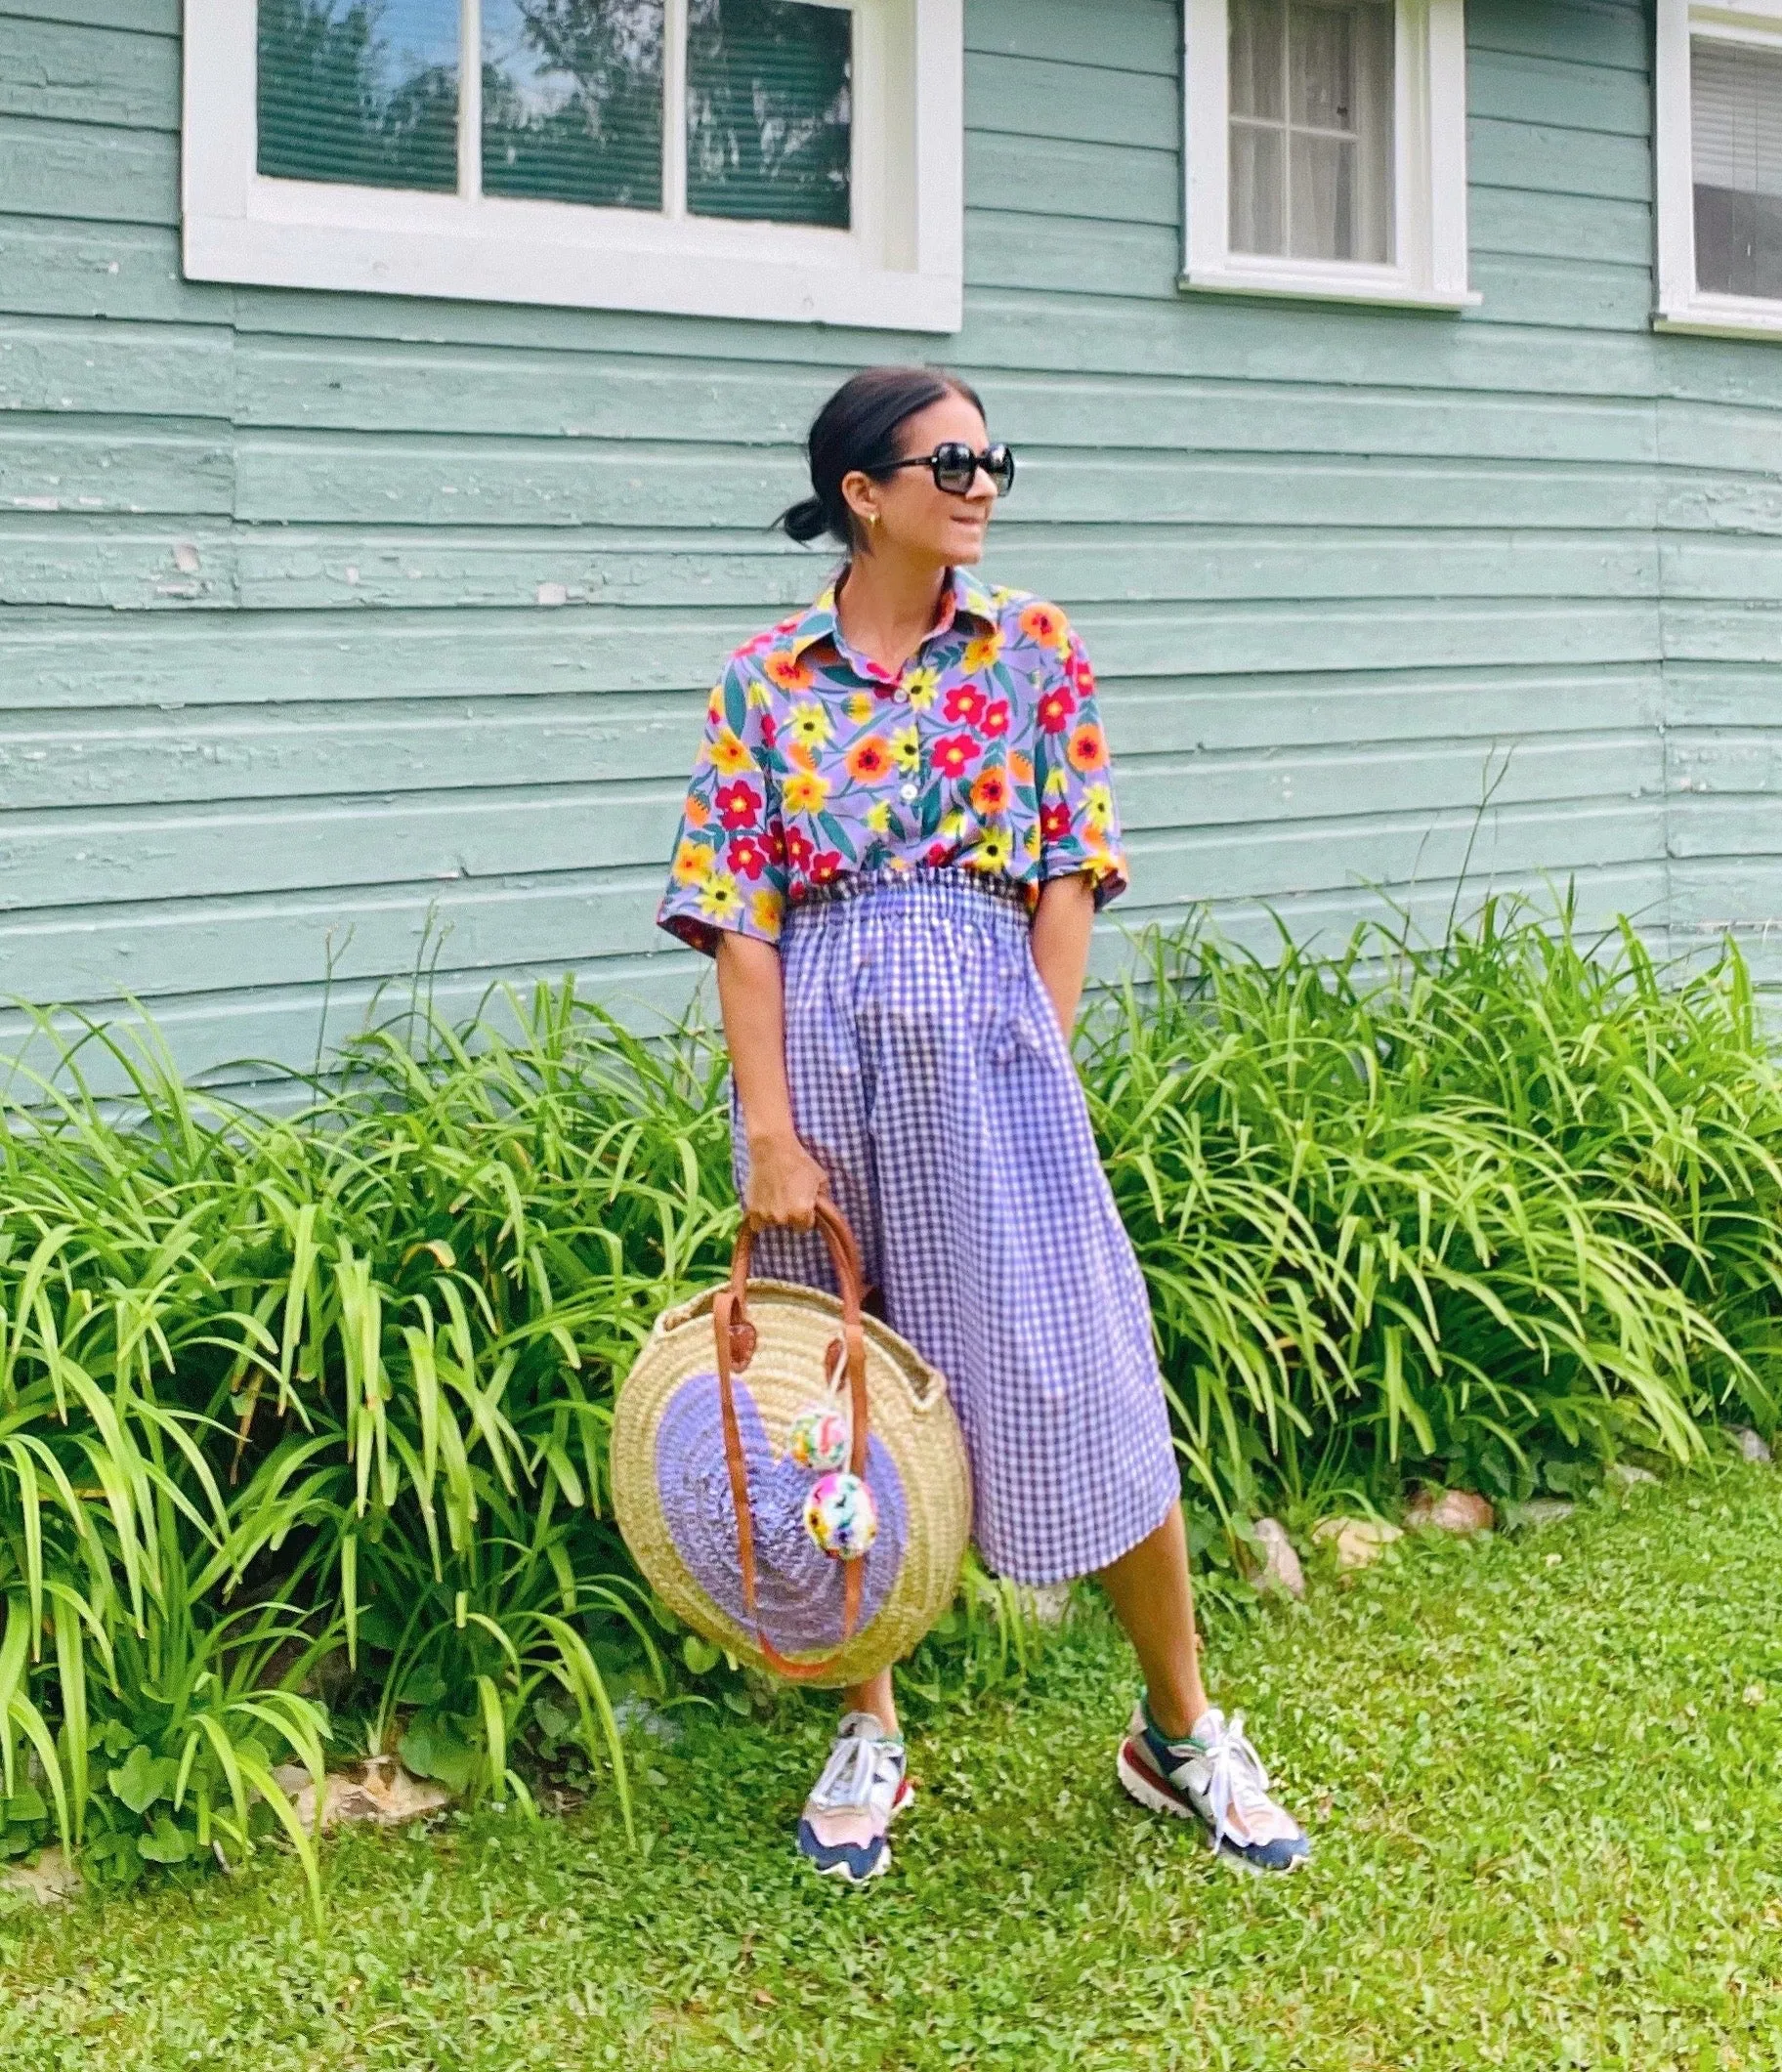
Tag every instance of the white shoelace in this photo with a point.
(852, 1771)
(1236, 1778)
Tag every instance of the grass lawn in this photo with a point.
(1542, 1774)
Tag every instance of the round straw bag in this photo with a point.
(741, 1443)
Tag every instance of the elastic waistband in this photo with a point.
(978, 895)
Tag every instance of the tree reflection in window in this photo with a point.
(363, 92)
(769, 111)
(573, 100)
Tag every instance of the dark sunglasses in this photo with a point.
(956, 466)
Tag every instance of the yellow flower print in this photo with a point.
(720, 901)
(1001, 594)
(860, 707)
(809, 724)
(714, 705)
(766, 909)
(919, 687)
(953, 827)
(907, 748)
(727, 754)
(1098, 808)
(1057, 783)
(804, 793)
(693, 862)
(982, 651)
(992, 849)
(878, 817)
(758, 695)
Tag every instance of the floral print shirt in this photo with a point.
(985, 752)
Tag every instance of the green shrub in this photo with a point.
(314, 1395)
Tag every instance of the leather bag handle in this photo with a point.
(736, 1347)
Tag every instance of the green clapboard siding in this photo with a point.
(342, 635)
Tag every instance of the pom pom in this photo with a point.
(817, 1439)
(840, 1515)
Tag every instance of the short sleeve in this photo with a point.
(1079, 823)
(728, 871)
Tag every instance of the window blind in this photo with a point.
(1735, 97)
(573, 100)
(363, 92)
(770, 111)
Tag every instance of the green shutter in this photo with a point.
(360, 91)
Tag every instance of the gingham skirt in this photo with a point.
(930, 1080)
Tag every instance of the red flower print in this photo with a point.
(798, 849)
(739, 804)
(1082, 675)
(746, 857)
(990, 794)
(776, 842)
(786, 669)
(994, 723)
(825, 865)
(954, 755)
(1055, 821)
(1056, 709)
(869, 760)
(1087, 749)
(770, 729)
(938, 854)
(963, 704)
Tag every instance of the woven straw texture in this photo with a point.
(910, 1415)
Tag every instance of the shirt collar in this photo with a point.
(965, 597)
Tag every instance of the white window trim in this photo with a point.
(1681, 305)
(897, 268)
(1430, 171)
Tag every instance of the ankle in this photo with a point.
(1173, 1715)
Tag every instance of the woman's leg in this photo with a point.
(874, 1696)
(1154, 1600)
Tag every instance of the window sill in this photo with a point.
(1722, 317)
(1378, 286)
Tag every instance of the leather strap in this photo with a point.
(736, 1346)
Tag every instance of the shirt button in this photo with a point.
(909, 792)
(901, 695)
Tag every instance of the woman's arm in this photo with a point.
(784, 1179)
(1061, 941)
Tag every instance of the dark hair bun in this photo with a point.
(856, 431)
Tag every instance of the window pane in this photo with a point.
(360, 91)
(1323, 68)
(1259, 59)
(769, 111)
(1259, 189)
(1736, 109)
(573, 100)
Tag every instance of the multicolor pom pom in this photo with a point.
(817, 1439)
(840, 1515)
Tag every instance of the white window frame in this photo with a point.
(899, 266)
(1681, 305)
(1430, 171)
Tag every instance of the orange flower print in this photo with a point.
(954, 755)
(693, 862)
(1087, 749)
(868, 759)
(766, 909)
(787, 671)
(698, 812)
(989, 793)
(1048, 625)
(1020, 767)
(804, 793)
(982, 651)
(727, 754)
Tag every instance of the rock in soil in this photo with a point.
(1450, 1510)
(52, 1877)
(1752, 1445)
(1279, 1569)
(378, 1789)
(1542, 1510)
(1627, 1476)
(1360, 1541)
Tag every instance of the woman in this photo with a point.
(897, 834)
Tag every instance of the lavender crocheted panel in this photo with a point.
(798, 1588)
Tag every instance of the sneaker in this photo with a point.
(1215, 1777)
(843, 1831)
